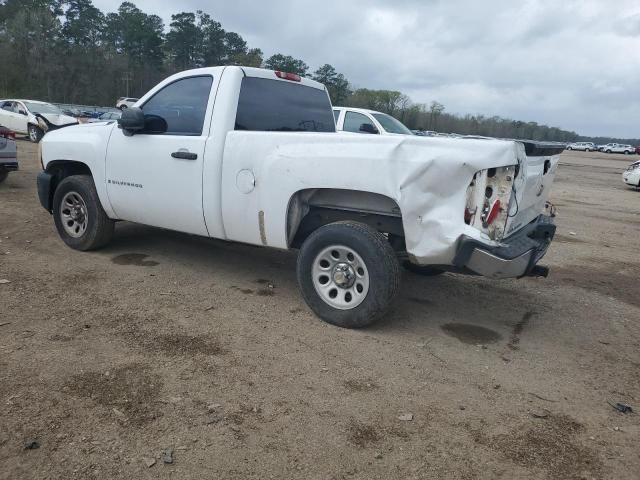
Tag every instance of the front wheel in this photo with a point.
(80, 220)
(35, 133)
(348, 274)
(569, 148)
(588, 150)
(608, 151)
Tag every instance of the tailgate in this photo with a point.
(532, 184)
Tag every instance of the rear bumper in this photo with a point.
(515, 257)
(44, 182)
(11, 166)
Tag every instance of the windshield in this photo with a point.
(391, 125)
(43, 108)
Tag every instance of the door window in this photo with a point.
(353, 121)
(182, 104)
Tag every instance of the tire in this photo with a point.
(587, 150)
(569, 148)
(3, 176)
(608, 151)
(627, 152)
(424, 270)
(365, 259)
(123, 108)
(35, 133)
(81, 222)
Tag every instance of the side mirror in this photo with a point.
(368, 128)
(155, 125)
(22, 112)
(131, 121)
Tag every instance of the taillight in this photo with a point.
(495, 210)
(488, 198)
(294, 77)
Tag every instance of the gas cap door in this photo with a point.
(245, 181)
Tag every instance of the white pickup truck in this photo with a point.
(252, 156)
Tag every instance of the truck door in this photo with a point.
(156, 178)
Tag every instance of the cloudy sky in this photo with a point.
(574, 64)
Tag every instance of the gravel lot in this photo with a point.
(165, 343)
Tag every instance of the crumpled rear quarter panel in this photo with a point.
(427, 177)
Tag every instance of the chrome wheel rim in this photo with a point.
(33, 134)
(340, 277)
(74, 215)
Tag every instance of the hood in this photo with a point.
(59, 119)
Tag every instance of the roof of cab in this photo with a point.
(250, 72)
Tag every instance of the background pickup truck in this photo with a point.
(8, 157)
(252, 156)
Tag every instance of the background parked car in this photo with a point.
(8, 158)
(106, 117)
(618, 148)
(125, 102)
(582, 146)
(33, 118)
(631, 176)
(7, 133)
(359, 120)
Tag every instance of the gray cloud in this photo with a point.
(573, 64)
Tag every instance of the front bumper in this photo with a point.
(515, 257)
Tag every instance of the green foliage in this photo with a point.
(69, 51)
(337, 84)
(286, 63)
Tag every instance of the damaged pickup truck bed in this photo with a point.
(252, 155)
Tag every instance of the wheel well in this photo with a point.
(61, 169)
(313, 208)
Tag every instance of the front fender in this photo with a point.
(85, 145)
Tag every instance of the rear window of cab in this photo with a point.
(282, 106)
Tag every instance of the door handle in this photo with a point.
(184, 155)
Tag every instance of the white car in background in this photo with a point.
(360, 120)
(620, 148)
(617, 148)
(33, 118)
(631, 176)
(582, 146)
(126, 102)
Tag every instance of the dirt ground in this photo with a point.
(170, 347)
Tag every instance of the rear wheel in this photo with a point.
(80, 220)
(569, 148)
(348, 274)
(35, 133)
(3, 176)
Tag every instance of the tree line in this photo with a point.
(69, 51)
